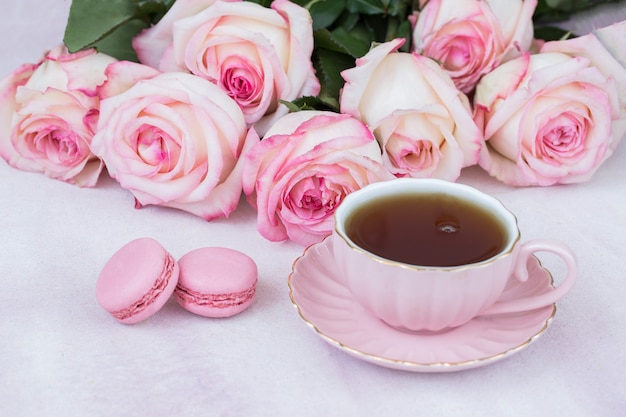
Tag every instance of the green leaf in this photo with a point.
(91, 20)
(557, 4)
(355, 42)
(119, 42)
(571, 5)
(324, 40)
(348, 21)
(152, 10)
(403, 30)
(292, 106)
(366, 6)
(557, 10)
(328, 66)
(550, 33)
(325, 12)
(401, 8)
(110, 25)
(310, 103)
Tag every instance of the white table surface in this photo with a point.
(61, 354)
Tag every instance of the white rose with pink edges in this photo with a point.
(556, 116)
(258, 55)
(302, 170)
(172, 139)
(48, 115)
(471, 37)
(422, 121)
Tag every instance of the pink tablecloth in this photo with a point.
(61, 354)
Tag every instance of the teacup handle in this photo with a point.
(520, 272)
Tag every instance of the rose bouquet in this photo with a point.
(191, 103)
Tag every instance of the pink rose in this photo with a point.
(256, 54)
(472, 37)
(421, 120)
(606, 50)
(554, 117)
(48, 113)
(172, 139)
(303, 168)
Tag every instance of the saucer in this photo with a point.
(326, 305)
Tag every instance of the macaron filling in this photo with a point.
(214, 300)
(158, 287)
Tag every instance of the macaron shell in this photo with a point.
(137, 281)
(216, 282)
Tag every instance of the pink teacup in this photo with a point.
(433, 298)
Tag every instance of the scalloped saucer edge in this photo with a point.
(326, 305)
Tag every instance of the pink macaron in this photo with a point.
(137, 280)
(216, 282)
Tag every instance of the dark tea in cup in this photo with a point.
(433, 229)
